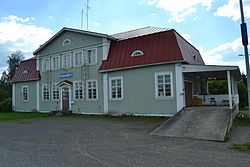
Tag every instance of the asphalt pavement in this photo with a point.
(101, 142)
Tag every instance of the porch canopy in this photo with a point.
(200, 74)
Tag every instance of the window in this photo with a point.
(92, 90)
(90, 56)
(45, 92)
(25, 71)
(66, 60)
(77, 59)
(46, 64)
(25, 93)
(78, 90)
(55, 63)
(116, 88)
(163, 85)
(137, 53)
(66, 42)
(55, 92)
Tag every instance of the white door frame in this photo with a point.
(70, 98)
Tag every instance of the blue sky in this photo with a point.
(212, 26)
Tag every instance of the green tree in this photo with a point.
(220, 87)
(242, 89)
(217, 87)
(13, 62)
(4, 94)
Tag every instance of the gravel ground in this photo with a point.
(91, 142)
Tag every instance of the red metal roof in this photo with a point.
(162, 47)
(26, 71)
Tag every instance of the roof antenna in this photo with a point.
(81, 19)
(87, 14)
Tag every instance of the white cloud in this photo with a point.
(51, 17)
(232, 9)
(153, 14)
(97, 24)
(225, 54)
(186, 36)
(18, 34)
(152, 2)
(180, 8)
(15, 19)
(181, 16)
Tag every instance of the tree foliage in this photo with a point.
(243, 98)
(217, 87)
(5, 82)
(13, 62)
(220, 87)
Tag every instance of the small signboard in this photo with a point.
(66, 75)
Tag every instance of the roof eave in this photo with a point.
(35, 79)
(144, 65)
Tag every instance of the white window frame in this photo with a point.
(137, 53)
(52, 91)
(110, 88)
(63, 61)
(156, 85)
(74, 90)
(45, 64)
(87, 90)
(23, 87)
(81, 58)
(64, 43)
(86, 56)
(48, 87)
(52, 63)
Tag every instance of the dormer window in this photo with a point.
(66, 42)
(137, 53)
(195, 57)
(25, 71)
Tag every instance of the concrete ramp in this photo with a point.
(206, 122)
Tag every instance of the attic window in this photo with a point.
(66, 42)
(195, 57)
(25, 71)
(137, 53)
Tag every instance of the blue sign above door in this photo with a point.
(66, 75)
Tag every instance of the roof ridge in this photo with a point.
(139, 32)
(32, 58)
(131, 30)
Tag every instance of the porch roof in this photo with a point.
(212, 71)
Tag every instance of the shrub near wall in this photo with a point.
(6, 105)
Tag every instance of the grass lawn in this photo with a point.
(13, 116)
(242, 119)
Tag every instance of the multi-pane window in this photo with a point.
(78, 59)
(25, 93)
(55, 92)
(92, 90)
(90, 56)
(116, 88)
(46, 92)
(46, 64)
(163, 85)
(78, 90)
(66, 60)
(55, 63)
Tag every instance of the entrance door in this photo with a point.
(65, 99)
(188, 94)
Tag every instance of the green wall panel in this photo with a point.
(139, 92)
